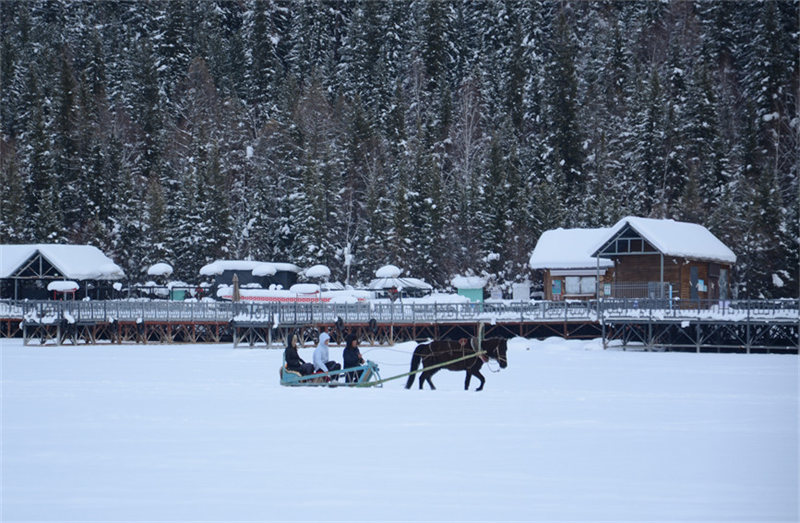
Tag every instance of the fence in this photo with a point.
(395, 313)
(648, 290)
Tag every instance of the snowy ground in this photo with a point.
(566, 432)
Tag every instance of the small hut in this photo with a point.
(26, 270)
(569, 270)
(470, 286)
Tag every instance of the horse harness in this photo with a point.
(463, 342)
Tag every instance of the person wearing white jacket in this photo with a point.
(321, 361)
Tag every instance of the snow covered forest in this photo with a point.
(440, 136)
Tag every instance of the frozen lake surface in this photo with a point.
(567, 432)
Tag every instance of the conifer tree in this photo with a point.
(564, 133)
(12, 199)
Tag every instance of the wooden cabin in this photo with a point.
(27, 270)
(569, 271)
(670, 259)
(636, 258)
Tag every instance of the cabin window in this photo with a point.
(581, 285)
(573, 285)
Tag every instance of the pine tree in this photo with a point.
(65, 142)
(424, 200)
(156, 226)
(44, 216)
(435, 43)
(12, 199)
(494, 207)
(263, 70)
(650, 183)
(378, 205)
(216, 216)
(564, 134)
(15, 45)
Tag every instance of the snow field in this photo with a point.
(567, 432)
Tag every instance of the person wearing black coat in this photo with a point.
(352, 358)
(293, 360)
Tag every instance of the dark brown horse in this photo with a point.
(430, 354)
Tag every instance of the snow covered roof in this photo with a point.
(569, 249)
(76, 262)
(286, 267)
(264, 269)
(671, 238)
(469, 282)
(219, 266)
(398, 283)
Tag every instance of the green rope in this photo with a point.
(380, 382)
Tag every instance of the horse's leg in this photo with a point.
(469, 377)
(426, 376)
(480, 377)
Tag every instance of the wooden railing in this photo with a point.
(787, 310)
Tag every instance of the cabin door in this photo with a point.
(723, 284)
(694, 277)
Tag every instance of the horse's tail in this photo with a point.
(415, 359)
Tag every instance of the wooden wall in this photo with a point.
(646, 268)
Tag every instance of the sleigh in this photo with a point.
(364, 376)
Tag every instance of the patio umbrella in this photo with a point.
(235, 297)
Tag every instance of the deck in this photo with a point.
(753, 325)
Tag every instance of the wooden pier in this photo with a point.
(752, 326)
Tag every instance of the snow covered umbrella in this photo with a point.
(318, 271)
(399, 283)
(388, 278)
(307, 290)
(63, 287)
(160, 269)
(388, 271)
(236, 296)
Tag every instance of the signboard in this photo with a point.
(521, 291)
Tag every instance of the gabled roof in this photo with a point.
(671, 238)
(76, 262)
(569, 249)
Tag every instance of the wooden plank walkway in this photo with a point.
(756, 326)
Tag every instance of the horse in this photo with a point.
(440, 351)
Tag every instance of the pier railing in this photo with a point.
(784, 310)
